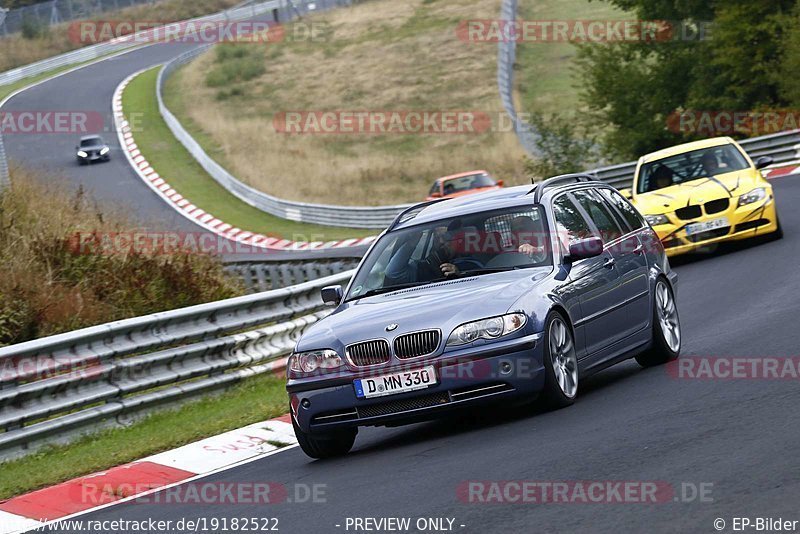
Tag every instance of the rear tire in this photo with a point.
(322, 446)
(560, 363)
(666, 345)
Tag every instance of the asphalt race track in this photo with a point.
(90, 90)
(115, 183)
(739, 438)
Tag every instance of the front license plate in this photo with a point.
(394, 383)
(707, 226)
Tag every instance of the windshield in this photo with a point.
(472, 245)
(92, 141)
(693, 165)
(465, 183)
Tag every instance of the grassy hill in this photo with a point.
(382, 55)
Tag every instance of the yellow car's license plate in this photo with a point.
(707, 226)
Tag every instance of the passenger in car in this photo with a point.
(528, 236)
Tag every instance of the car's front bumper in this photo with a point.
(468, 377)
(745, 222)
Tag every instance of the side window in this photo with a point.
(571, 224)
(595, 207)
(628, 212)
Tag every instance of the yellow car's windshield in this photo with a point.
(703, 163)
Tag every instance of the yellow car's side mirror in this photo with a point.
(627, 193)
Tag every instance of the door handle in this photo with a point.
(639, 249)
(609, 263)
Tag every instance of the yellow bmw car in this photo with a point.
(704, 192)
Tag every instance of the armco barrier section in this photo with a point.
(5, 179)
(264, 274)
(783, 147)
(54, 388)
(89, 53)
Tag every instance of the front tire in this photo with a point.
(327, 445)
(560, 363)
(666, 345)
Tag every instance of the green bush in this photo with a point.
(235, 63)
(50, 286)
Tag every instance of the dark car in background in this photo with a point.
(515, 294)
(92, 148)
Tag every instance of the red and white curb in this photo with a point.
(782, 169)
(148, 475)
(184, 206)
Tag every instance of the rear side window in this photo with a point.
(624, 207)
(599, 213)
(572, 226)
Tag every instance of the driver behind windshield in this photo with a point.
(438, 263)
(709, 163)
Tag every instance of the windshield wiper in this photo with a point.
(389, 289)
(489, 270)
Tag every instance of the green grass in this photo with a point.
(174, 163)
(546, 78)
(256, 399)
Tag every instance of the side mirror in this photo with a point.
(585, 248)
(501, 183)
(627, 193)
(332, 295)
(764, 161)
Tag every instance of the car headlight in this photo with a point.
(104, 151)
(655, 220)
(315, 360)
(753, 196)
(82, 154)
(491, 328)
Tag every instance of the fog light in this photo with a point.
(506, 368)
(305, 403)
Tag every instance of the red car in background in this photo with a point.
(466, 183)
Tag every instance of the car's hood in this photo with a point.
(698, 191)
(442, 305)
(93, 147)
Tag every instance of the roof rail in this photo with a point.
(557, 180)
(413, 211)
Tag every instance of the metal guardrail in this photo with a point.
(328, 215)
(506, 58)
(783, 147)
(45, 14)
(5, 178)
(264, 274)
(119, 44)
(54, 388)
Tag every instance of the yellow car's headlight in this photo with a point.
(655, 220)
(755, 195)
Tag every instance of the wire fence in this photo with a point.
(37, 17)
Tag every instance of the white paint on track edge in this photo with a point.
(182, 205)
(281, 431)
